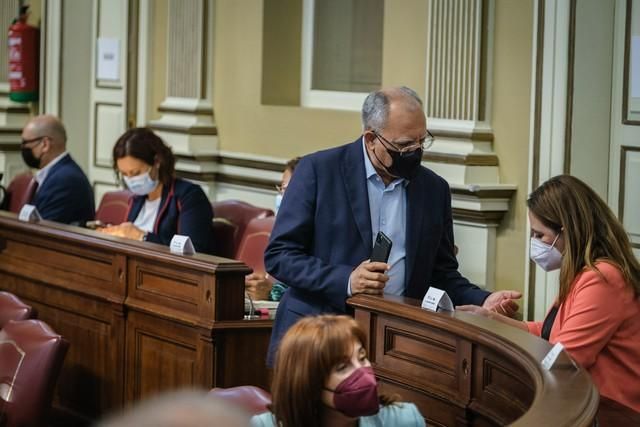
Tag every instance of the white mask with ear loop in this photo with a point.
(548, 257)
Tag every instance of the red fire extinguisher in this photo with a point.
(24, 58)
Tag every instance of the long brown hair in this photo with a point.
(591, 231)
(307, 354)
(143, 144)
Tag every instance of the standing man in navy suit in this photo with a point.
(64, 193)
(338, 200)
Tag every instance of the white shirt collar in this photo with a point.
(42, 174)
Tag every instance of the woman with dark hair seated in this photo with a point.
(596, 315)
(322, 377)
(163, 205)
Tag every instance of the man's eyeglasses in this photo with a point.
(423, 143)
(29, 141)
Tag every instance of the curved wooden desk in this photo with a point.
(463, 369)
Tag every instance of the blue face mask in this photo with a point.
(141, 185)
(278, 202)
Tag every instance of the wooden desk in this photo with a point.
(139, 319)
(462, 369)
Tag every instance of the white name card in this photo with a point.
(437, 299)
(552, 358)
(181, 245)
(29, 213)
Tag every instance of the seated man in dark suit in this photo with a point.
(64, 193)
(340, 198)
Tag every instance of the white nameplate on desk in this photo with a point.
(29, 213)
(437, 299)
(551, 357)
(181, 245)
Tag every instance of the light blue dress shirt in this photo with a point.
(388, 208)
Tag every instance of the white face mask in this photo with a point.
(141, 185)
(278, 202)
(546, 256)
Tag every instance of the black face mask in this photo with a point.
(30, 159)
(404, 165)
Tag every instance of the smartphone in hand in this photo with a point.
(381, 248)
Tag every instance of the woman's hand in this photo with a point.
(475, 309)
(126, 230)
(492, 314)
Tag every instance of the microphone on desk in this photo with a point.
(252, 310)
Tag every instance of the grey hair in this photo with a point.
(375, 109)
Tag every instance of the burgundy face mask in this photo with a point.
(357, 395)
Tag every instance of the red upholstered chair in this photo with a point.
(239, 213)
(113, 207)
(252, 399)
(254, 242)
(31, 357)
(11, 308)
(21, 190)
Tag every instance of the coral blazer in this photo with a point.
(599, 325)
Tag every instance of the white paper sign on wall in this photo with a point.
(29, 213)
(108, 64)
(181, 245)
(437, 299)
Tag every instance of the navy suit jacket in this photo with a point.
(184, 209)
(65, 195)
(323, 231)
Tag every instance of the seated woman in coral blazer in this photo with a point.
(596, 316)
(163, 205)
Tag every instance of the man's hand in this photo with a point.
(369, 278)
(257, 285)
(502, 302)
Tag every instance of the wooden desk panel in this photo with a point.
(139, 319)
(501, 390)
(403, 347)
(461, 369)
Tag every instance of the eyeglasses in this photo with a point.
(423, 143)
(281, 188)
(29, 141)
